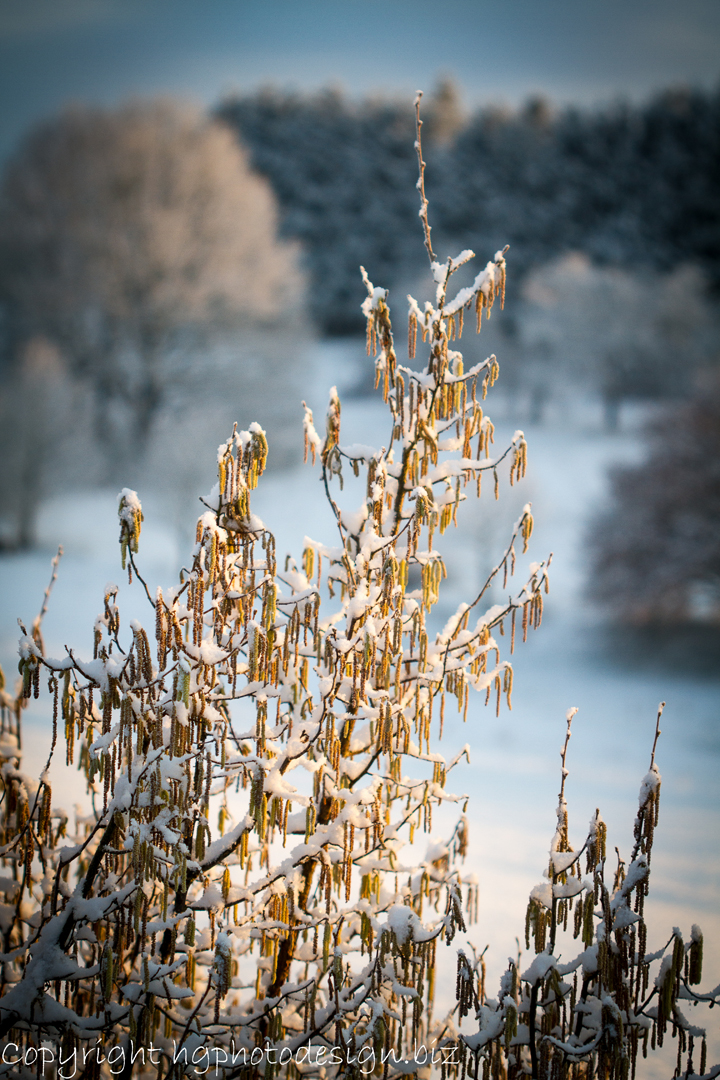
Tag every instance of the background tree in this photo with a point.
(661, 324)
(343, 177)
(444, 115)
(657, 548)
(37, 401)
(129, 236)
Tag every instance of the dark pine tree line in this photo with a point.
(629, 185)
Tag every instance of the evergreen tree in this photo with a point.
(343, 177)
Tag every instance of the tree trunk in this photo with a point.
(611, 412)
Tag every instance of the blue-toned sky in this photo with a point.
(584, 51)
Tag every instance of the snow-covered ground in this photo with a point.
(515, 772)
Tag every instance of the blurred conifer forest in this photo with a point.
(628, 185)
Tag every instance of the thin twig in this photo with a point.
(421, 180)
(658, 733)
(36, 635)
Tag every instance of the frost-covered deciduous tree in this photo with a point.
(249, 892)
(659, 324)
(127, 236)
(656, 549)
(36, 400)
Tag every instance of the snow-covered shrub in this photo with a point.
(247, 893)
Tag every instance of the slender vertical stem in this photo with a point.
(421, 181)
(531, 1030)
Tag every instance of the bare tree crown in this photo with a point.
(125, 233)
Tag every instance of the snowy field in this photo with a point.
(514, 775)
